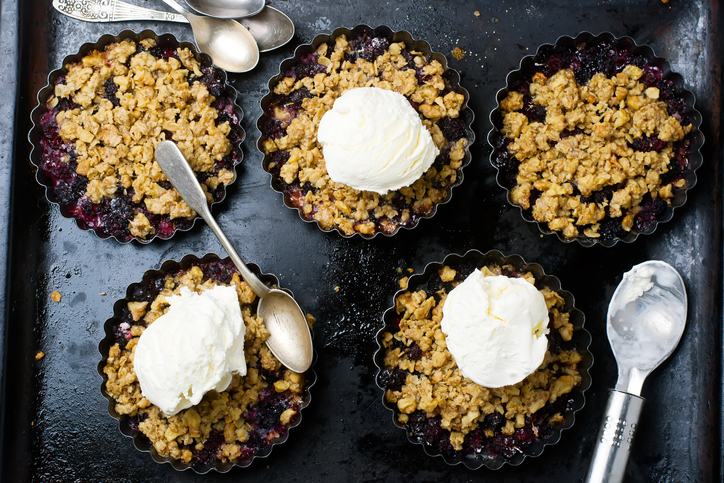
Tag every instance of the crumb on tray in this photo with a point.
(458, 53)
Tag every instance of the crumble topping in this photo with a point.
(430, 382)
(592, 151)
(115, 106)
(249, 415)
(309, 91)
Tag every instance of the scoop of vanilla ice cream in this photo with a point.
(373, 140)
(193, 348)
(495, 328)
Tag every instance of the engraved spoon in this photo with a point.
(270, 28)
(646, 319)
(289, 340)
(228, 43)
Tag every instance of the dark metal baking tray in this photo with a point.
(56, 427)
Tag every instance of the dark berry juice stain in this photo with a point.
(212, 447)
(368, 48)
(307, 67)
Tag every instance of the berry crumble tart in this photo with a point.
(307, 88)
(104, 116)
(596, 140)
(225, 428)
(449, 414)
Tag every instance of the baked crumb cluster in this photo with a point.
(111, 110)
(585, 145)
(448, 411)
(595, 140)
(309, 90)
(249, 416)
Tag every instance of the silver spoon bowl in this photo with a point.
(290, 339)
(646, 319)
(226, 8)
(229, 44)
(270, 28)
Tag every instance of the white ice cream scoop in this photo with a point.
(646, 318)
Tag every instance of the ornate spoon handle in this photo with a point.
(112, 11)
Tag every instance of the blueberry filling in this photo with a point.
(585, 60)
(111, 217)
(285, 108)
(490, 439)
(264, 416)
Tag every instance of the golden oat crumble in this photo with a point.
(458, 53)
(434, 385)
(221, 413)
(296, 157)
(584, 147)
(115, 140)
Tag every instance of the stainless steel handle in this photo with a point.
(256, 285)
(112, 11)
(613, 444)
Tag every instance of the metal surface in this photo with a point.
(10, 33)
(289, 337)
(271, 28)
(227, 41)
(615, 437)
(56, 425)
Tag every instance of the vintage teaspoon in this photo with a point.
(646, 318)
(228, 43)
(289, 340)
(270, 28)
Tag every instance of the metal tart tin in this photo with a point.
(35, 133)
(695, 137)
(581, 340)
(450, 75)
(140, 441)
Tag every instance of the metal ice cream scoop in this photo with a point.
(646, 318)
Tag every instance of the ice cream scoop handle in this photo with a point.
(613, 444)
